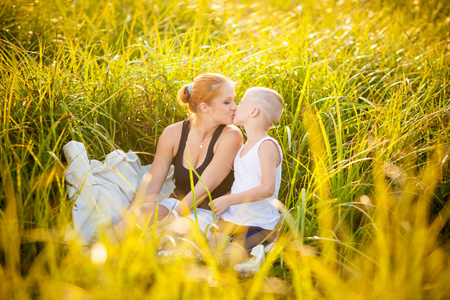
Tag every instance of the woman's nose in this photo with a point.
(233, 106)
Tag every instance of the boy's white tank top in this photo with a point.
(247, 175)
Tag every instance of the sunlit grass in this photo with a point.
(365, 136)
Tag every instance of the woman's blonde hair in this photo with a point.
(205, 88)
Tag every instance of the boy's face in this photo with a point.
(243, 111)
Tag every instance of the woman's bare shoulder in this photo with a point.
(232, 129)
(232, 133)
(171, 135)
(174, 128)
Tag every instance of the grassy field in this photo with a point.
(365, 136)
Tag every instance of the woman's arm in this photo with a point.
(154, 179)
(220, 166)
(269, 157)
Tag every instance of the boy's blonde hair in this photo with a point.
(269, 102)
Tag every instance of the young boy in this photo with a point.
(248, 216)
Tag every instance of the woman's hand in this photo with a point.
(220, 205)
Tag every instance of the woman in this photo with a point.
(207, 143)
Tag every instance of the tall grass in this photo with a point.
(365, 135)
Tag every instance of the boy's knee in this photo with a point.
(218, 240)
(234, 254)
(181, 226)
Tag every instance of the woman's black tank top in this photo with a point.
(181, 174)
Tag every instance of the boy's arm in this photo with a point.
(269, 157)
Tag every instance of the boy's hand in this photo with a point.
(220, 205)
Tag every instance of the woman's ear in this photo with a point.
(203, 107)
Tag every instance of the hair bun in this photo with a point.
(184, 97)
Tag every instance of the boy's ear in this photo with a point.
(255, 112)
(203, 107)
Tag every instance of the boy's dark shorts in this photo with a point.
(247, 236)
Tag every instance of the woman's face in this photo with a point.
(223, 108)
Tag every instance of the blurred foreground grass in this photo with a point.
(365, 137)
